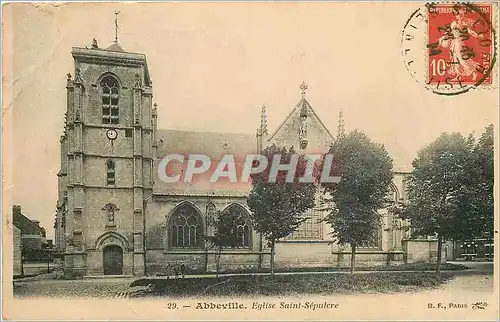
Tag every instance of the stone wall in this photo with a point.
(16, 259)
(37, 268)
(321, 254)
(422, 250)
(158, 251)
(294, 254)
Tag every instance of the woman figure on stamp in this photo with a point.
(461, 62)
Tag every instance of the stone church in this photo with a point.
(115, 217)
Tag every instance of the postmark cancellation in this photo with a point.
(451, 48)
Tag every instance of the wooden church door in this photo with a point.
(113, 260)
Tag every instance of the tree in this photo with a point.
(365, 169)
(483, 197)
(226, 234)
(277, 206)
(441, 189)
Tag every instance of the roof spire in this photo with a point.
(303, 88)
(116, 26)
(341, 125)
(263, 120)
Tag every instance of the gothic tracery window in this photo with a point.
(110, 95)
(376, 241)
(185, 228)
(312, 227)
(242, 224)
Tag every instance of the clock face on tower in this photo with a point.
(111, 134)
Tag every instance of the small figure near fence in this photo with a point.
(175, 270)
(182, 269)
(168, 269)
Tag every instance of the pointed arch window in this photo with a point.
(394, 193)
(110, 172)
(110, 99)
(242, 224)
(185, 228)
(375, 242)
(312, 227)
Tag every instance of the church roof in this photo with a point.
(216, 145)
(26, 225)
(115, 47)
(401, 157)
(212, 144)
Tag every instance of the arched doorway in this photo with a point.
(113, 260)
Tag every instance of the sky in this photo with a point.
(213, 65)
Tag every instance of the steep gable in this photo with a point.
(300, 126)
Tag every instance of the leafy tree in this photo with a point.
(365, 169)
(441, 189)
(277, 206)
(483, 197)
(226, 234)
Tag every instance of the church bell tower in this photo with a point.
(107, 156)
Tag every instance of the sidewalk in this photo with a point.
(474, 269)
(41, 277)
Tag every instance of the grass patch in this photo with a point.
(325, 284)
(379, 268)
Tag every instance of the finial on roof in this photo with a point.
(341, 125)
(263, 120)
(94, 43)
(69, 81)
(116, 26)
(303, 88)
(155, 110)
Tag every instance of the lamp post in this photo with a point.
(49, 259)
(22, 264)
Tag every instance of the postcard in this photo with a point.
(250, 161)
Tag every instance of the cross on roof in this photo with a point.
(303, 88)
(116, 25)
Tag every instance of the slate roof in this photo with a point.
(213, 144)
(216, 145)
(26, 225)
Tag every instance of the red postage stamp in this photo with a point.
(460, 44)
